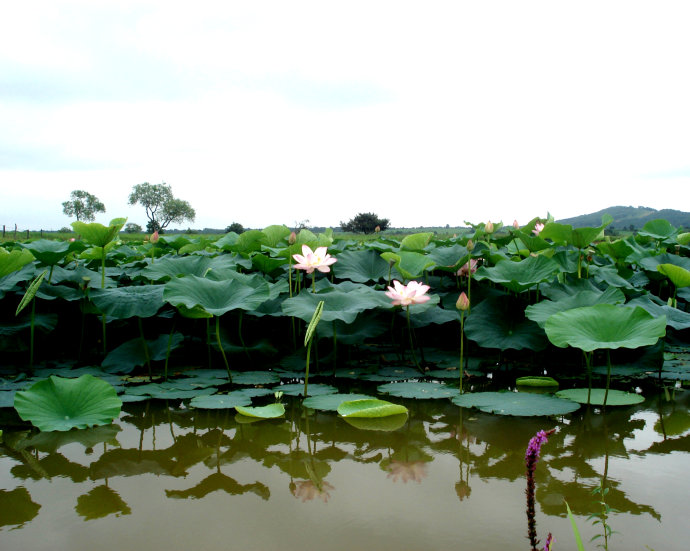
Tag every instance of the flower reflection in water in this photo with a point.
(407, 470)
(307, 490)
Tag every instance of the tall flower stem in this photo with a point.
(462, 346)
(145, 347)
(220, 347)
(409, 333)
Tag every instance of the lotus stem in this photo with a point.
(335, 348)
(409, 333)
(462, 346)
(167, 352)
(220, 346)
(306, 369)
(608, 375)
(313, 282)
(31, 342)
(146, 348)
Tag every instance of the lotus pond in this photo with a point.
(271, 389)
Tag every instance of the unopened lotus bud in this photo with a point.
(463, 303)
(154, 237)
(516, 225)
(377, 229)
(489, 227)
(292, 239)
(470, 245)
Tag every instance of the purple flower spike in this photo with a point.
(531, 458)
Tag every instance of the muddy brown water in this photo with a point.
(166, 477)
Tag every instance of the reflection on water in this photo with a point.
(444, 474)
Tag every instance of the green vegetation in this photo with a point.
(161, 207)
(83, 206)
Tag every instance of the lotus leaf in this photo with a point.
(275, 234)
(658, 229)
(14, 260)
(541, 311)
(297, 389)
(680, 277)
(370, 408)
(497, 322)
(410, 264)
(100, 502)
(678, 319)
(172, 267)
(391, 374)
(271, 411)
(419, 390)
(604, 326)
(449, 259)
(361, 266)
(142, 301)
(520, 276)
(415, 241)
(98, 234)
(516, 403)
(330, 402)
(48, 251)
(614, 398)
(254, 378)
(536, 381)
(216, 297)
(62, 404)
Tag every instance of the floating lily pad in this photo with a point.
(419, 390)
(614, 398)
(330, 402)
(370, 408)
(254, 378)
(271, 411)
(297, 389)
(516, 403)
(391, 374)
(220, 401)
(63, 404)
(536, 380)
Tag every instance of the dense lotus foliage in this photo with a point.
(221, 322)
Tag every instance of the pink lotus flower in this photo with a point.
(154, 237)
(516, 225)
(314, 260)
(404, 295)
(471, 266)
(537, 228)
(489, 227)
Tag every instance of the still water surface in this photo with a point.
(171, 478)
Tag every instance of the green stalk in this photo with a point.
(462, 346)
(220, 347)
(409, 333)
(167, 352)
(608, 375)
(146, 348)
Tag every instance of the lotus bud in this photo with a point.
(470, 245)
(154, 237)
(377, 229)
(677, 247)
(489, 227)
(516, 225)
(463, 303)
(292, 239)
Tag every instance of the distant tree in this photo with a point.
(83, 206)
(162, 208)
(365, 222)
(236, 227)
(131, 227)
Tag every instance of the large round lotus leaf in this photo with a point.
(518, 404)
(14, 260)
(449, 259)
(274, 234)
(416, 241)
(498, 322)
(383, 424)
(141, 301)
(536, 380)
(98, 234)
(360, 266)
(297, 389)
(658, 229)
(676, 318)
(370, 408)
(330, 402)
(390, 373)
(411, 265)
(220, 401)
(604, 326)
(255, 378)
(216, 297)
(680, 277)
(172, 267)
(420, 390)
(271, 411)
(428, 313)
(519, 276)
(64, 404)
(614, 398)
(652, 263)
(543, 310)
(48, 251)
(342, 302)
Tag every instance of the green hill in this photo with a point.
(629, 218)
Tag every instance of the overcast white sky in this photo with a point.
(427, 113)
